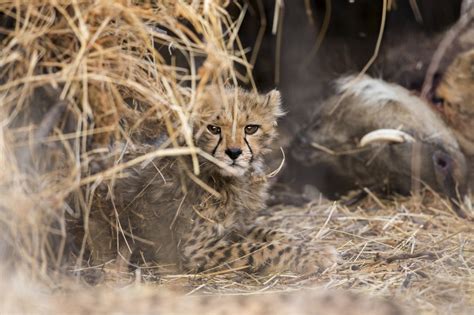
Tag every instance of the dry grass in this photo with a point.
(121, 69)
(412, 248)
(97, 56)
(413, 251)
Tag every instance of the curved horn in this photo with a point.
(384, 136)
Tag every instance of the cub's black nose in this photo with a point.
(233, 153)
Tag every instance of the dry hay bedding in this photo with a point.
(411, 250)
(77, 74)
(98, 56)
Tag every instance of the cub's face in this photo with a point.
(237, 127)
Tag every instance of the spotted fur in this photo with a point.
(207, 223)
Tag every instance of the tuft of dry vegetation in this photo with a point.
(75, 75)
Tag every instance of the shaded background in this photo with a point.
(290, 60)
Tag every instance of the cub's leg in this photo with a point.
(264, 234)
(101, 240)
(327, 255)
(208, 250)
(111, 253)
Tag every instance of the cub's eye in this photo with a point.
(251, 129)
(214, 129)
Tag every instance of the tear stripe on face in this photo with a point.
(217, 145)
(250, 149)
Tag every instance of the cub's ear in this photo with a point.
(273, 103)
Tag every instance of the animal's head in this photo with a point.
(375, 132)
(237, 127)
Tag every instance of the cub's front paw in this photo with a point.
(319, 258)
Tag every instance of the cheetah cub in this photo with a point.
(206, 223)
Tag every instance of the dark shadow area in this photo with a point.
(315, 45)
